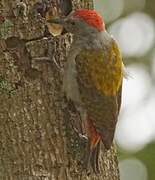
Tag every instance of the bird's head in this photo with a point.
(81, 21)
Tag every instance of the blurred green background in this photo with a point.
(132, 23)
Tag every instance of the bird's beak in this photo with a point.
(56, 21)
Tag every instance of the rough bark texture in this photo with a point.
(37, 139)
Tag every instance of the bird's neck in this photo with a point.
(95, 40)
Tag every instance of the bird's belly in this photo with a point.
(70, 85)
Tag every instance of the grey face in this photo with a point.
(74, 25)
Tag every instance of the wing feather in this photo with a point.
(103, 70)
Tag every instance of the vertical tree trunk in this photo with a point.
(37, 138)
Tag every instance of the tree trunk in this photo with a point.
(38, 140)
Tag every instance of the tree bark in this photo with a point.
(38, 140)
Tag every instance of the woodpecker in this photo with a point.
(93, 79)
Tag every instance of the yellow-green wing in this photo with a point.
(101, 69)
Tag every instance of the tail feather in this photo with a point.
(95, 136)
(94, 160)
(93, 147)
(91, 156)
